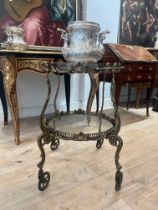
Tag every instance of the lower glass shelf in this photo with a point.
(74, 123)
(79, 122)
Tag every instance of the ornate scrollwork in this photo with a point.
(79, 111)
(76, 67)
(116, 140)
(44, 178)
(99, 143)
(9, 69)
(113, 140)
(55, 143)
(109, 68)
(10, 72)
(42, 66)
(79, 68)
(80, 136)
(110, 132)
(51, 135)
(47, 137)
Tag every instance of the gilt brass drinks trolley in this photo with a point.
(107, 127)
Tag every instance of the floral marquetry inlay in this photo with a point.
(10, 73)
(42, 66)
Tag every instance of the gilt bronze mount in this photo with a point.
(52, 133)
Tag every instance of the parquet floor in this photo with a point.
(82, 177)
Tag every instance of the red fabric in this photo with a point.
(38, 27)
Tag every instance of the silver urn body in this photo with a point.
(83, 42)
(15, 39)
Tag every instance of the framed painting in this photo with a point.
(39, 19)
(138, 22)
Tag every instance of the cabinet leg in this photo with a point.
(117, 93)
(129, 96)
(3, 100)
(67, 79)
(94, 78)
(10, 76)
(138, 92)
(148, 99)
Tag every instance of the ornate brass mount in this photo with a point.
(51, 135)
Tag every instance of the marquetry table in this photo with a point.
(13, 62)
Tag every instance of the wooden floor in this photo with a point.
(82, 177)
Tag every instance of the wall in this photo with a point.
(106, 13)
(31, 87)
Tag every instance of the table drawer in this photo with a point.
(136, 69)
(136, 77)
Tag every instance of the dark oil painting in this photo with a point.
(138, 22)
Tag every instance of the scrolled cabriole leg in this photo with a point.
(45, 138)
(100, 143)
(43, 177)
(116, 140)
(54, 143)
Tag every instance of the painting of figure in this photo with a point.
(39, 19)
(138, 22)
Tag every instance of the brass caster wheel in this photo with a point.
(44, 178)
(118, 180)
(55, 144)
(99, 143)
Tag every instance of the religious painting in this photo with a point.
(39, 19)
(138, 22)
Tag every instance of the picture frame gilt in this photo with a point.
(40, 19)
